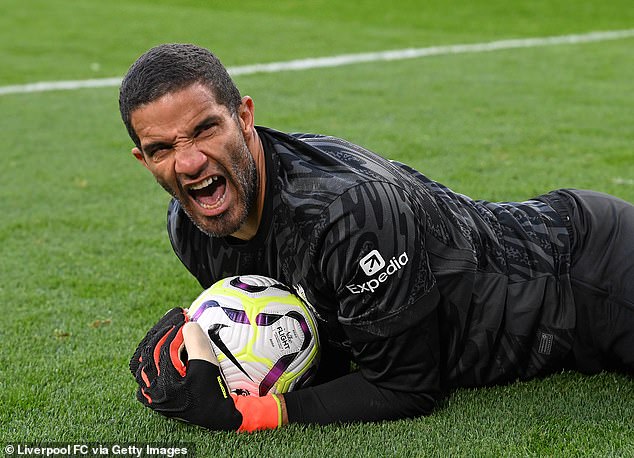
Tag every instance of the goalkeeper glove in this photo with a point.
(193, 390)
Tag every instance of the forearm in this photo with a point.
(399, 377)
(354, 399)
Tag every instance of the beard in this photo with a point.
(242, 173)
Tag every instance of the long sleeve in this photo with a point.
(398, 377)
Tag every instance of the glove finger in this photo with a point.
(164, 370)
(136, 358)
(149, 362)
(143, 398)
(146, 371)
(149, 366)
(173, 317)
(167, 356)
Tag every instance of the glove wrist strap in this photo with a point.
(258, 412)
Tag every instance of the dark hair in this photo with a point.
(171, 67)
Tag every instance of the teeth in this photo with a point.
(216, 204)
(204, 183)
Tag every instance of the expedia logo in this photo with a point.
(373, 263)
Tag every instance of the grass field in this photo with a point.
(86, 266)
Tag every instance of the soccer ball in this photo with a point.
(265, 338)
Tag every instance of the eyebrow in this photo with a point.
(205, 123)
(150, 148)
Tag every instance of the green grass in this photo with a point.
(86, 265)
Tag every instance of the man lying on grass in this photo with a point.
(485, 293)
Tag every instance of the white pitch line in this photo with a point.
(623, 181)
(349, 59)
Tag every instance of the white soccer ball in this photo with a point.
(265, 338)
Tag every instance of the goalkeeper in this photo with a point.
(425, 289)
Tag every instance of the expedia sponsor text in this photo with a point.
(373, 284)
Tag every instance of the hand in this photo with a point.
(178, 375)
(174, 318)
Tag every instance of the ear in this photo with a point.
(138, 154)
(246, 112)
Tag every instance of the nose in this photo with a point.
(190, 160)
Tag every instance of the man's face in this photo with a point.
(196, 150)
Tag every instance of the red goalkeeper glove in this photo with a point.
(178, 376)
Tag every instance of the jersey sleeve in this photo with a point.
(402, 380)
(374, 257)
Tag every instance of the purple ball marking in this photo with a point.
(204, 306)
(237, 283)
(275, 373)
(266, 319)
(237, 316)
(304, 326)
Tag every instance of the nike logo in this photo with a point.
(214, 335)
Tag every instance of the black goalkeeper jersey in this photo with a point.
(425, 288)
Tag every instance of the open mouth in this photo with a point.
(210, 193)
